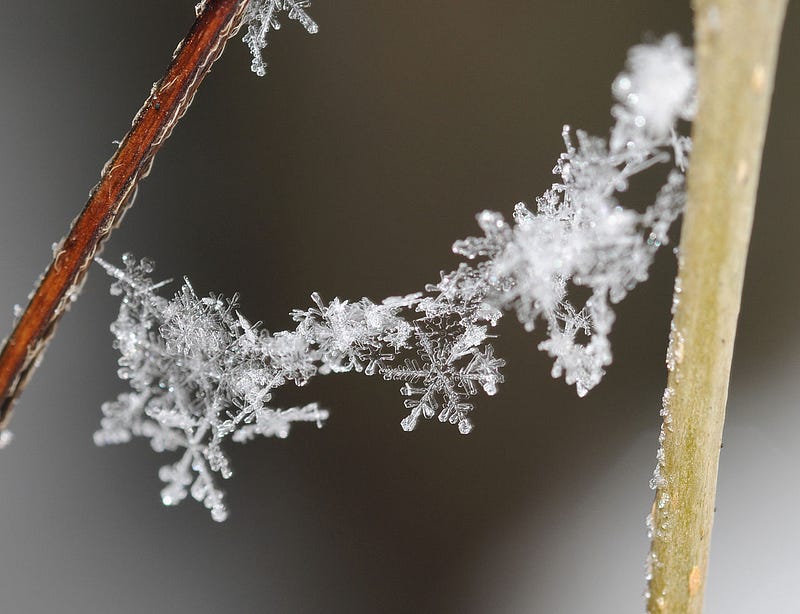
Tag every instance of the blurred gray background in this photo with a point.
(350, 169)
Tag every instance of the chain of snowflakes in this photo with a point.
(199, 372)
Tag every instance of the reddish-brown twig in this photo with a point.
(216, 22)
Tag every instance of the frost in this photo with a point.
(261, 17)
(200, 372)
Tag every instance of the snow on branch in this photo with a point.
(200, 372)
(262, 17)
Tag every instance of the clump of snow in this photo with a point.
(659, 85)
(261, 17)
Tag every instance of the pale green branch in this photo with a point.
(737, 46)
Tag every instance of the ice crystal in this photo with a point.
(200, 372)
(261, 17)
(580, 236)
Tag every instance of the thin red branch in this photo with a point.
(216, 22)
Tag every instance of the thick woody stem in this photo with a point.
(737, 47)
(217, 21)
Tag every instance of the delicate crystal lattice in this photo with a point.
(200, 372)
(262, 17)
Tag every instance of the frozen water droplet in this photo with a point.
(219, 513)
(409, 423)
(5, 438)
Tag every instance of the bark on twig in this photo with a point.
(216, 22)
(737, 46)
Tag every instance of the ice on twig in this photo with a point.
(261, 17)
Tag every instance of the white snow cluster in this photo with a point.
(658, 87)
(200, 372)
(261, 16)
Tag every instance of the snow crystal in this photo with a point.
(262, 16)
(581, 237)
(200, 372)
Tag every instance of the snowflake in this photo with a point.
(200, 372)
(444, 380)
(261, 16)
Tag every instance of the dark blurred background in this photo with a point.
(350, 169)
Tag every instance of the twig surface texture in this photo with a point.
(737, 46)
